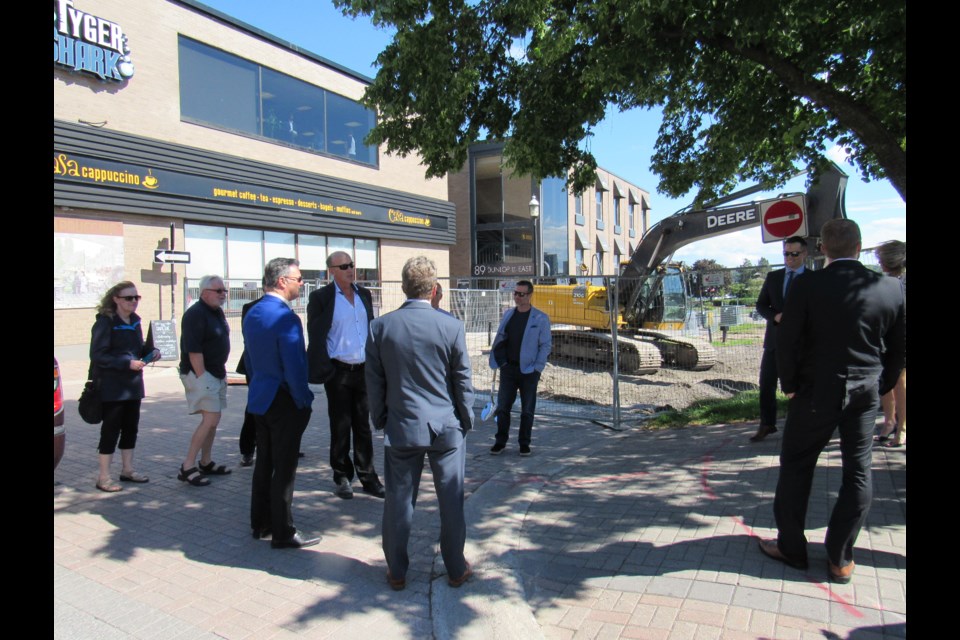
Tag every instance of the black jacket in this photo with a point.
(113, 345)
(319, 320)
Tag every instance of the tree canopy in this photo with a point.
(748, 89)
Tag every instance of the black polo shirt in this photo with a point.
(204, 329)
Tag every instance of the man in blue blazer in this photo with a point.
(770, 305)
(519, 351)
(420, 391)
(280, 400)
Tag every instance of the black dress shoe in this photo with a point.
(296, 541)
(260, 533)
(246, 460)
(762, 432)
(375, 489)
(344, 491)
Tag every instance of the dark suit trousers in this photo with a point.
(279, 432)
(402, 468)
(347, 408)
(511, 381)
(248, 434)
(768, 388)
(810, 424)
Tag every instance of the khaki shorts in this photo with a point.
(205, 393)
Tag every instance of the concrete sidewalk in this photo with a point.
(599, 534)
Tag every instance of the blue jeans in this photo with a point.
(511, 381)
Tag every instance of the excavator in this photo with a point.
(650, 293)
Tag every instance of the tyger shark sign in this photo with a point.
(88, 44)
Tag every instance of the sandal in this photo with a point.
(886, 432)
(110, 487)
(192, 476)
(213, 469)
(133, 476)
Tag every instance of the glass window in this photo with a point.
(630, 214)
(218, 87)
(348, 123)
(278, 244)
(599, 206)
(553, 221)
(340, 244)
(245, 253)
(205, 245)
(367, 260)
(312, 253)
(616, 211)
(226, 91)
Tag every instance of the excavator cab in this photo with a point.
(666, 307)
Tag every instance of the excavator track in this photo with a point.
(682, 352)
(636, 357)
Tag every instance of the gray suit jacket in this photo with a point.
(418, 375)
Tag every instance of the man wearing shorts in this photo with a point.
(204, 348)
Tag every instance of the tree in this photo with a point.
(748, 89)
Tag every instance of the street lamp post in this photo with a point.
(535, 216)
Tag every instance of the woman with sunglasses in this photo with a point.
(117, 357)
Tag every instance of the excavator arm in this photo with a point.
(824, 201)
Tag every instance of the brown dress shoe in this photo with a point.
(456, 582)
(840, 575)
(762, 432)
(397, 584)
(770, 549)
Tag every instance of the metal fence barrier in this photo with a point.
(583, 378)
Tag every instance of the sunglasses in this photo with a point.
(343, 267)
(298, 279)
(220, 291)
(792, 254)
(130, 298)
(521, 294)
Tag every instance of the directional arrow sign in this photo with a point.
(162, 256)
(783, 217)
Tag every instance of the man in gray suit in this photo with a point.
(426, 407)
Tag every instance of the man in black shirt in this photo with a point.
(204, 348)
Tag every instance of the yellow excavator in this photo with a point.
(650, 293)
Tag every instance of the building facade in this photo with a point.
(180, 129)
(574, 235)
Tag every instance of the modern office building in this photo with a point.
(500, 235)
(178, 127)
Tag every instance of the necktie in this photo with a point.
(786, 286)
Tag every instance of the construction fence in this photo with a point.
(711, 349)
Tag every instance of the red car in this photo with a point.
(59, 430)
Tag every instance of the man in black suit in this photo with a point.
(338, 317)
(770, 306)
(840, 345)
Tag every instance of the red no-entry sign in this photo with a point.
(783, 218)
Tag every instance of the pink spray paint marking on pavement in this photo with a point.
(849, 608)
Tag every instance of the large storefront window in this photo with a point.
(241, 254)
(228, 92)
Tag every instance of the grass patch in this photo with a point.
(735, 342)
(746, 328)
(743, 407)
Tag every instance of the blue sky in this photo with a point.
(623, 142)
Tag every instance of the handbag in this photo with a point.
(90, 405)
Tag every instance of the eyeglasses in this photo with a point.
(298, 279)
(521, 294)
(220, 291)
(343, 267)
(792, 254)
(130, 298)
